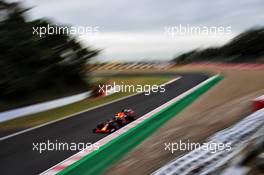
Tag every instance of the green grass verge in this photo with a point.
(57, 113)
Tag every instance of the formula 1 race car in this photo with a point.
(121, 119)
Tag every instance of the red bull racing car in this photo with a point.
(121, 119)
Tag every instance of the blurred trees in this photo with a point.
(246, 47)
(29, 62)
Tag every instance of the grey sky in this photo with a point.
(135, 30)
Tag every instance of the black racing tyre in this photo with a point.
(130, 118)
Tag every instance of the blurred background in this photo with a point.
(63, 50)
(153, 32)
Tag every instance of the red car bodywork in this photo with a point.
(122, 118)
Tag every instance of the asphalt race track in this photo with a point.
(17, 155)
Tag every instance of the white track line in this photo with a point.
(77, 113)
(64, 164)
